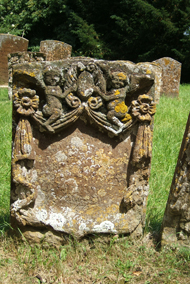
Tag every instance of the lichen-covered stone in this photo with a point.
(55, 50)
(176, 222)
(82, 146)
(9, 44)
(171, 74)
(21, 57)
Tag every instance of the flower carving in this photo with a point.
(143, 108)
(26, 101)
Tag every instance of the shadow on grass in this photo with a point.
(4, 223)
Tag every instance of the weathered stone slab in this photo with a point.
(176, 222)
(9, 44)
(55, 50)
(171, 74)
(82, 146)
(22, 57)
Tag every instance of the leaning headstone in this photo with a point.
(171, 74)
(9, 44)
(82, 146)
(55, 50)
(176, 222)
(21, 57)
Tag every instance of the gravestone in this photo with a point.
(9, 44)
(171, 74)
(82, 146)
(55, 50)
(176, 221)
(21, 57)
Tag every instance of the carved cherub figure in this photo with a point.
(117, 109)
(123, 85)
(53, 92)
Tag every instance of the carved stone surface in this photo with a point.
(55, 50)
(171, 74)
(22, 57)
(9, 44)
(176, 222)
(82, 146)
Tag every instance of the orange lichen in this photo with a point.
(122, 76)
(148, 71)
(121, 107)
(126, 118)
(117, 92)
(167, 61)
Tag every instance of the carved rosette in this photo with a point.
(143, 108)
(26, 103)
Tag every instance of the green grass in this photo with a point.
(109, 259)
(169, 126)
(5, 156)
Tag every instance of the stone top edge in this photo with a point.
(9, 35)
(84, 59)
(167, 58)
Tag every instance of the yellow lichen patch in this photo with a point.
(122, 76)
(105, 160)
(167, 61)
(117, 92)
(148, 71)
(126, 118)
(121, 107)
(32, 74)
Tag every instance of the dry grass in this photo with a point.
(109, 260)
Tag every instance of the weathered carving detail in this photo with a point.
(143, 109)
(86, 90)
(77, 170)
(26, 102)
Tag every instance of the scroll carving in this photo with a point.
(85, 90)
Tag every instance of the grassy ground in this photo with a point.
(106, 260)
(5, 156)
(170, 121)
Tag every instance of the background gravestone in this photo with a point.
(82, 147)
(171, 74)
(176, 222)
(55, 50)
(9, 44)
